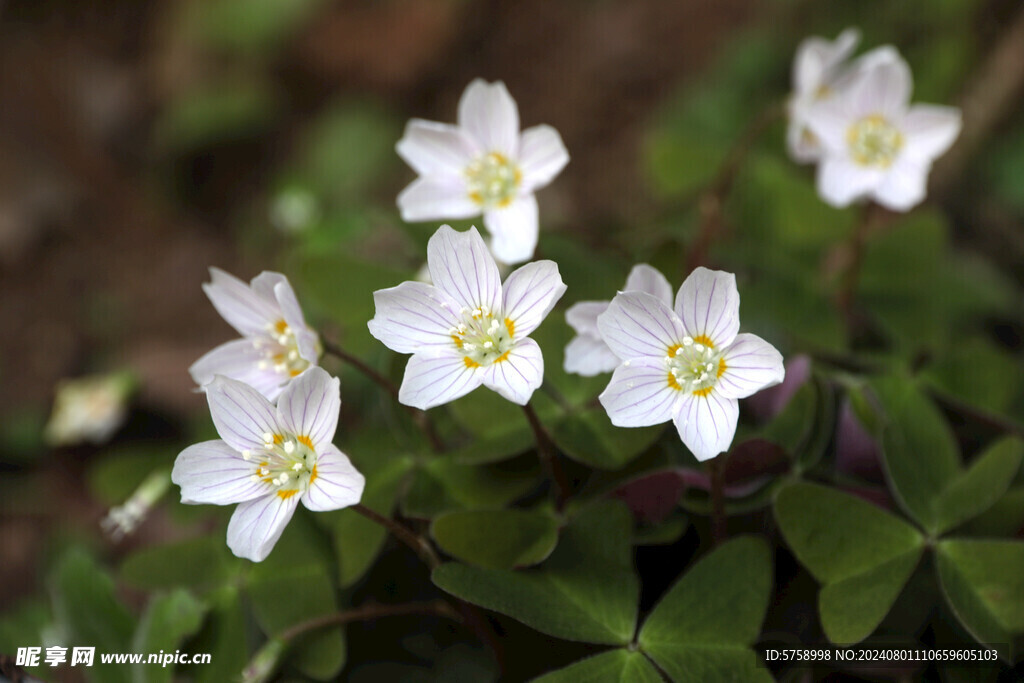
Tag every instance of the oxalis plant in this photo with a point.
(620, 489)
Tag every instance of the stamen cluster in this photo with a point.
(284, 459)
(280, 350)
(693, 366)
(482, 337)
(874, 141)
(493, 180)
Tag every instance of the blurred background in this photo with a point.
(142, 141)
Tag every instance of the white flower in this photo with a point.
(688, 365)
(482, 165)
(276, 343)
(875, 144)
(89, 409)
(587, 354)
(820, 70)
(467, 329)
(268, 459)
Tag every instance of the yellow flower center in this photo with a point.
(694, 366)
(286, 462)
(483, 337)
(492, 180)
(873, 141)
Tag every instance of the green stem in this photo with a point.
(548, 457)
(418, 544)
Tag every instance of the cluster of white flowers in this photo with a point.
(684, 361)
(855, 120)
(270, 456)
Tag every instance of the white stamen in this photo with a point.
(297, 466)
(246, 454)
(289, 446)
(268, 437)
(687, 341)
(488, 344)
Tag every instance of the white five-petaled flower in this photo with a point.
(875, 144)
(268, 459)
(467, 329)
(820, 70)
(587, 354)
(276, 343)
(687, 365)
(482, 166)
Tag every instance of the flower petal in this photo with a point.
(707, 424)
(841, 182)
(751, 364)
(645, 278)
(309, 406)
(514, 230)
(434, 198)
(519, 375)
(436, 148)
(238, 359)
(881, 88)
(542, 156)
(462, 268)
(434, 380)
(490, 115)
(530, 293)
(904, 186)
(414, 318)
(637, 325)
(240, 413)
(239, 305)
(817, 59)
(639, 394)
(257, 524)
(338, 483)
(930, 130)
(709, 305)
(588, 356)
(214, 472)
(582, 316)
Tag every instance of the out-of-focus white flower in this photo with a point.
(467, 329)
(276, 343)
(124, 519)
(876, 145)
(688, 365)
(587, 354)
(820, 70)
(89, 409)
(294, 209)
(482, 166)
(268, 459)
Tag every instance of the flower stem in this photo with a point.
(439, 608)
(418, 416)
(718, 528)
(418, 544)
(713, 198)
(849, 260)
(548, 457)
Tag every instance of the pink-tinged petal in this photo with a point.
(305, 339)
(436, 148)
(707, 424)
(462, 268)
(239, 305)
(589, 356)
(263, 284)
(582, 316)
(882, 89)
(867, 61)
(639, 394)
(645, 278)
(514, 230)
(542, 156)
(414, 318)
(930, 130)
(490, 115)
(751, 364)
(434, 380)
(214, 472)
(257, 524)
(239, 360)
(904, 186)
(841, 182)
(308, 344)
(519, 375)
(637, 325)
(530, 293)
(708, 303)
(241, 414)
(309, 406)
(433, 198)
(338, 483)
